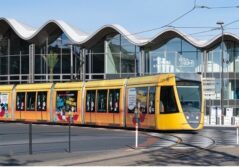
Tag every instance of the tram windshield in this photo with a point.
(189, 95)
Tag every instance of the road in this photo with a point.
(100, 146)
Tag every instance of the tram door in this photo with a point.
(141, 106)
(168, 112)
(90, 107)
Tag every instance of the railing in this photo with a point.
(24, 78)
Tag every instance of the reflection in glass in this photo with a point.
(175, 56)
(189, 95)
(141, 99)
(167, 100)
(152, 100)
(113, 100)
(90, 101)
(20, 101)
(102, 100)
(41, 101)
(31, 98)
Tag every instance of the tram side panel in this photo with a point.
(6, 110)
(67, 106)
(32, 102)
(67, 103)
(104, 106)
(140, 105)
(32, 106)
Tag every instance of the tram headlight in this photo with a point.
(187, 117)
(197, 117)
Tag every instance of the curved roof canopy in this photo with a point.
(55, 27)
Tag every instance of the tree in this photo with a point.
(52, 59)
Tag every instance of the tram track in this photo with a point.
(138, 156)
(191, 148)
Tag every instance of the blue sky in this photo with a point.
(134, 15)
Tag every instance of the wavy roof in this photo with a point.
(79, 37)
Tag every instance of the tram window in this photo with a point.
(102, 100)
(66, 101)
(113, 100)
(4, 97)
(167, 100)
(20, 101)
(90, 101)
(41, 101)
(31, 98)
(151, 108)
(141, 99)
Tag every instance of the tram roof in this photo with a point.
(36, 86)
(6, 88)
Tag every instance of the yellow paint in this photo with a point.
(33, 87)
(174, 121)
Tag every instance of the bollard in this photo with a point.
(237, 134)
(136, 134)
(30, 138)
(69, 135)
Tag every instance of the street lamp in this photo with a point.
(222, 61)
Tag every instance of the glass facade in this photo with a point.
(15, 60)
(61, 68)
(213, 77)
(13, 53)
(175, 56)
(121, 56)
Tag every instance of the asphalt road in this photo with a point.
(100, 146)
(14, 139)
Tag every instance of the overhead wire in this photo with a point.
(168, 24)
(192, 27)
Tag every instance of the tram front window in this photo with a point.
(189, 95)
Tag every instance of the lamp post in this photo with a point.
(222, 63)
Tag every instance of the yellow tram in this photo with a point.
(161, 102)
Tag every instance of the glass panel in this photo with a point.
(128, 56)
(237, 89)
(20, 101)
(41, 101)
(31, 98)
(14, 64)
(90, 101)
(102, 100)
(175, 56)
(4, 104)
(127, 62)
(167, 100)
(25, 64)
(66, 101)
(4, 65)
(131, 100)
(152, 100)
(112, 49)
(66, 63)
(97, 63)
(236, 61)
(114, 96)
(218, 88)
(3, 44)
(17, 44)
(188, 62)
(141, 99)
(189, 95)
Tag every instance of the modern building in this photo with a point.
(59, 52)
